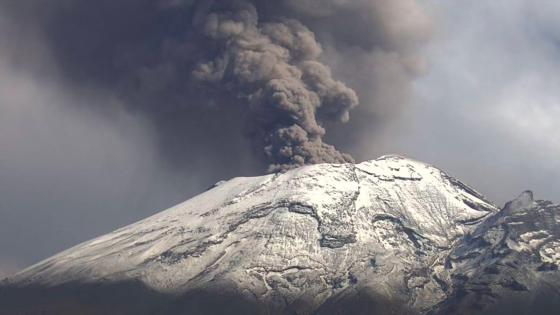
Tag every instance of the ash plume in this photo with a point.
(263, 55)
(274, 68)
(278, 72)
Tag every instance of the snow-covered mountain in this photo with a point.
(509, 264)
(390, 235)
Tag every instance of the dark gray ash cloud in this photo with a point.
(260, 57)
(274, 68)
(259, 63)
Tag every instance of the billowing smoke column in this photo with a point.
(263, 53)
(205, 72)
(275, 68)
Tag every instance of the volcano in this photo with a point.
(386, 236)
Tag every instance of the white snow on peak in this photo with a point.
(309, 232)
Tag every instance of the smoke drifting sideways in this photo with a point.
(255, 68)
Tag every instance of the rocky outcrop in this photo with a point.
(509, 264)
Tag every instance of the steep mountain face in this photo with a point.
(509, 264)
(388, 236)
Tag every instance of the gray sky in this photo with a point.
(77, 162)
(488, 109)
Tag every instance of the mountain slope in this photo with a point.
(509, 265)
(381, 235)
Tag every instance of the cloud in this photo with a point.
(486, 110)
(258, 63)
(274, 69)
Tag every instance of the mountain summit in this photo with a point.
(387, 236)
